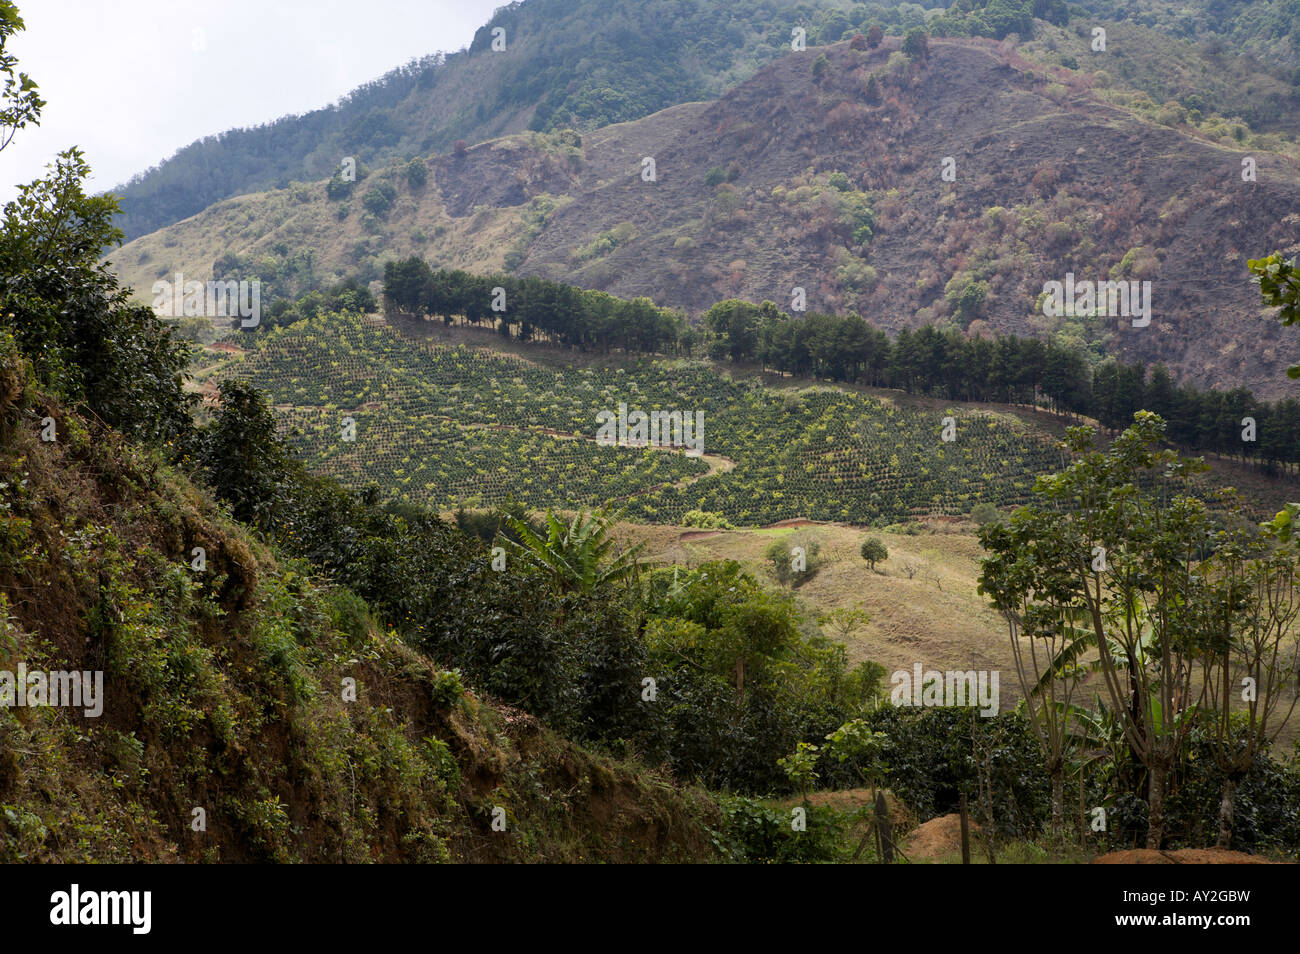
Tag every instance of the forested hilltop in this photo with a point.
(588, 63)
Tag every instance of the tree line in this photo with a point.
(535, 309)
(932, 361)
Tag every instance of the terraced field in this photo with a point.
(446, 426)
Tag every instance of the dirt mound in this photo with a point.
(853, 799)
(937, 838)
(698, 535)
(1183, 856)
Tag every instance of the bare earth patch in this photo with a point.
(937, 839)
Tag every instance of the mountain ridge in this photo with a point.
(839, 195)
(586, 64)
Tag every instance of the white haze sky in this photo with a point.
(122, 78)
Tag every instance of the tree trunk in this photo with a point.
(1083, 814)
(1058, 803)
(1156, 805)
(886, 830)
(1225, 813)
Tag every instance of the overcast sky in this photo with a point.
(131, 81)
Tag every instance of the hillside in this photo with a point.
(588, 63)
(428, 565)
(457, 417)
(456, 426)
(790, 180)
(581, 63)
(922, 603)
(224, 690)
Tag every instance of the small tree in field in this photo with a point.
(1251, 653)
(795, 560)
(875, 35)
(844, 622)
(855, 742)
(873, 551)
(801, 767)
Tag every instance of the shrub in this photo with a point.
(756, 833)
(379, 199)
(916, 44)
(966, 299)
(871, 92)
(873, 551)
(417, 173)
(705, 520)
(338, 187)
(781, 554)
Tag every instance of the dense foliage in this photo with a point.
(565, 631)
(85, 337)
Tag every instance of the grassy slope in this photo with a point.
(224, 692)
(934, 616)
(922, 601)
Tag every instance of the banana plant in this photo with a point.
(579, 556)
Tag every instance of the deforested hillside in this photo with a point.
(585, 64)
(560, 63)
(826, 172)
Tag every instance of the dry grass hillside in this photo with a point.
(921, 601)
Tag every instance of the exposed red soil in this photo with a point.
(937, 838)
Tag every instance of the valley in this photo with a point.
(687, 431)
